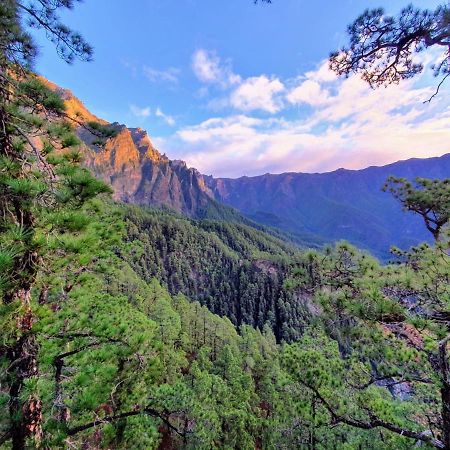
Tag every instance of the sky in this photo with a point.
(236, 89)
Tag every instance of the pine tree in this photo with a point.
(387, 329)
(41, 188)
(430, 199)
(382, 47)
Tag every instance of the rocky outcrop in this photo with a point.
(139, 174)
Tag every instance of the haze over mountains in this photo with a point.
(312, 208)
(344, 204)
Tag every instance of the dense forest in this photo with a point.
(231, 268)
(122, 363)
(130, 328)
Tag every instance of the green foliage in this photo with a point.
(122, 344)
(42, 191)
(382, 367)
(382, 47)
(428, 198)
(111, 343)
(34, 91)
(105, 131)
(128, 345)
(233, 269)
(109, 332)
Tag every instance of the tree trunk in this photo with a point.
(18, 434)
(313, 424)
(26, 417)
(445, 397)
(445, 391)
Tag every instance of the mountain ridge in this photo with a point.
(343, 204)
(312, 208)
(340, 169)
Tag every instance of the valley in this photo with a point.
(145, 305)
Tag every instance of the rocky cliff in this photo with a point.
(139, 174)
(136, 170)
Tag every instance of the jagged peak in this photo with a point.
(145, 146)
(178, 163)
(137, 171)
(78, 111)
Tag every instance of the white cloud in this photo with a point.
(206, 66)
(140, 112)
(168, 119)
(209, 68)
(322, 73)
(309, 92)
(253, 93)
(336, 122)
(169, 75)
(347, 125)
(258, 93)
(234, 127)
(146, 111)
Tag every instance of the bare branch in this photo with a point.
(374, 422)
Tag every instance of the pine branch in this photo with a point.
(109, 419)
(374, 422)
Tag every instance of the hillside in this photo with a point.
(139, 174)
(123, 363)
(344, 204)
(233, 269)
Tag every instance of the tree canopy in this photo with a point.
(42, 192)
(382, 48)
(428, 198)
(95, 352)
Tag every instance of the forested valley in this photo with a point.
(233, 269)
(131, 327)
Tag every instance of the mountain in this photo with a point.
(309, 209)
(139, 174)
(344, 204)
(137, 171)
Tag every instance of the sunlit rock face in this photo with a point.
(136, 170)
(139, 174)
(74, 107)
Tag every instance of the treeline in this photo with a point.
(233, 269)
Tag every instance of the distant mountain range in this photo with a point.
(344, 204)
(312, 209)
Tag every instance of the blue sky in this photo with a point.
(238, 89)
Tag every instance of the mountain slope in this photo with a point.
(344, 204)
(233, 269)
